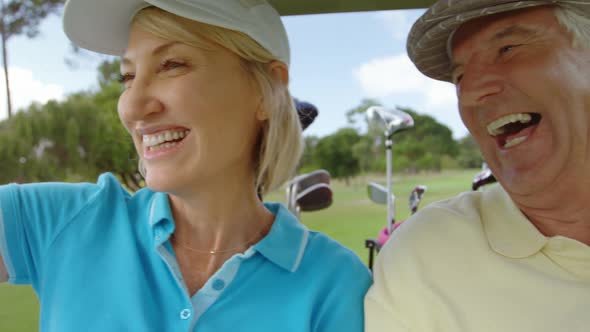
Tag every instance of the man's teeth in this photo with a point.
(515, 141)
(496, 128)
(163, 137)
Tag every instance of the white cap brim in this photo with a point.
(83, 17)
(103, 25)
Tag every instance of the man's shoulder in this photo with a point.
(454, 223)
(463, 210)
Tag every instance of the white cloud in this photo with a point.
(25, 89)
(399, 22)
(396, 79)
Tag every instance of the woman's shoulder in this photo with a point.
(313, 252)
(332, 256)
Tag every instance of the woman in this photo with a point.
(207, 105)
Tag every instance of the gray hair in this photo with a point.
(578, 25)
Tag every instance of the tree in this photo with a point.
(308, 160)
(21, 17)
(108, 72)
(334, 153)
(469, 153)
(73, 140)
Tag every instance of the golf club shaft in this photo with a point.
(389, 157)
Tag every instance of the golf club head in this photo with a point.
(306, 180)
(416, 197)
(316, 197)
(391, 120)
(483, 178)
(303, 182)
(306, 111)
(378, 193)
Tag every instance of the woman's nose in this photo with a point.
(139, 102)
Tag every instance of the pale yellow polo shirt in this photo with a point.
(475, 263)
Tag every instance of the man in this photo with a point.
(515, 257)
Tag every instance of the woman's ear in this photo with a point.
(279, 71)
(261, 114)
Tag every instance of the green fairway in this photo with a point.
(351, 219)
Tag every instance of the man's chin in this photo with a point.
(530, 181)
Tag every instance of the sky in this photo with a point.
(337, 60)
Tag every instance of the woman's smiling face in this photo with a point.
(194, 114)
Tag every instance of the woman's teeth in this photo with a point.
(164, 139)
(497, 127)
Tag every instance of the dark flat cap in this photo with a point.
(429, 37)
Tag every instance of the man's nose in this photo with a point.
(480, 82)
(140, 101)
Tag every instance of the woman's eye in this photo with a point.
(124, 78)
(170, 64)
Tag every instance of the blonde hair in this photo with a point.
(578, 25)
(280, 142)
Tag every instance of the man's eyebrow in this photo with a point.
(513, 30)
(158, 50)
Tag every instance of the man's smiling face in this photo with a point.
(524, 94)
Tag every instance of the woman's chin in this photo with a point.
(161, 183)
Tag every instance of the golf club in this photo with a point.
(316, 197)
(392, 121)
(306, 111)
(416, 197)
(482, 178)
(303, 182)
(378, 194)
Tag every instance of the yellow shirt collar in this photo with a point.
(508, 230)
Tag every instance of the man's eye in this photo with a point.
(505, 49)
(124, 78)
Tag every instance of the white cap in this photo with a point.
(103, 25)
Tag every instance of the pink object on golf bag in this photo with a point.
(384, 234)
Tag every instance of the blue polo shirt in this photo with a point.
(99, 259)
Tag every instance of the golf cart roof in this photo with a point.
(300, 7)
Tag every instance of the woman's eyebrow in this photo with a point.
(158, 50)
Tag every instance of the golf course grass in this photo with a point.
(351, 219)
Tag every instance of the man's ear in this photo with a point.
(279, 71)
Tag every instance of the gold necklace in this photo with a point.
(214, 251)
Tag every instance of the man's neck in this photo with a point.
(567, 223)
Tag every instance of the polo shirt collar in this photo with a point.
(508, 230)
(285, 244)
(160, 217)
